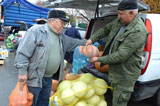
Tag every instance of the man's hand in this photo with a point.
(22, 78)
(89, 42)
(93, 59)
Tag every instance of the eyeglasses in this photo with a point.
(61, 21)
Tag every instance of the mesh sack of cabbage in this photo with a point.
(84, 91)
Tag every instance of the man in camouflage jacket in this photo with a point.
(123, 50)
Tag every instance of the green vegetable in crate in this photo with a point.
(8, 40)
(11, 37)
(16, 34)
(100, 86)
(80, 88)
(63, 85)
(94, 100)
(9, 45)
(81, 103)
(67, 96)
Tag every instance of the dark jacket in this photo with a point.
(73, 33)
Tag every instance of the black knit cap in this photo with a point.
(127, 5)
(58, 14)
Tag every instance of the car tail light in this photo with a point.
(85, 36)
(147, 49)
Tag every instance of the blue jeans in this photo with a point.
(41, 95)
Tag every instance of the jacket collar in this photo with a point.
(129, 26)
(44, 29)
(133, 22)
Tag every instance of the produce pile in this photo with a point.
(87, 90)
(12, 40)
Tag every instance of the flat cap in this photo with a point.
(58, 14)
(128, 5)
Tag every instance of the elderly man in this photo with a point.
(41, 54)
(123, 50)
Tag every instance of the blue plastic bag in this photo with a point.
(96, 44)
(79, 60)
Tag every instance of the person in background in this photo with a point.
(40, 55)
(73, 33)
(123, 50)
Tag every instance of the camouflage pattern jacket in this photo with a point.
(126, 55)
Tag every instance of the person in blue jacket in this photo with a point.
(73, 31)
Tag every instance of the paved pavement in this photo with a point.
(8, 80)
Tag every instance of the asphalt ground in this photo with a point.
(8, 79)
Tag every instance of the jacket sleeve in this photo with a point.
(102, 32)
(24, 52)
(128, 46)
(70, 43)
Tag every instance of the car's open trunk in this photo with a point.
(104, 6)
